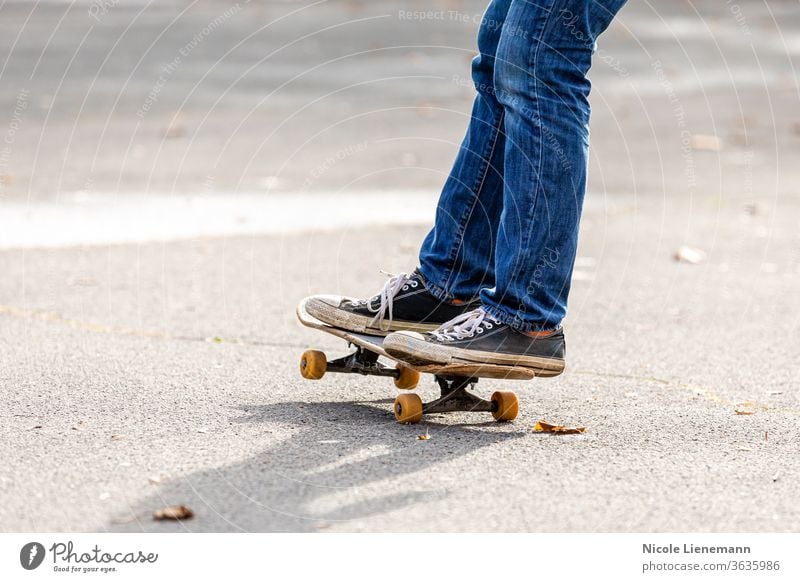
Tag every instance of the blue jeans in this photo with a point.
(507, 220)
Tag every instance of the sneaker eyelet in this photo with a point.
(480, 330)
(489, 325)
(405, 287)
(414, 284)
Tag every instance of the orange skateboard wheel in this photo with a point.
(313, 364)
(408, 408)
(506, 406)
(407, 379)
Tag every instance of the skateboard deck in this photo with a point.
(453, 379)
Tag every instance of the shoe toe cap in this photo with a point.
(331, 300)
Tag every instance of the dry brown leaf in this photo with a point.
(174, 130)
(424, 437)
(751, 209)
(743, 412)
(117, 437)
(173, 512)
(703, 142)
(542, 426)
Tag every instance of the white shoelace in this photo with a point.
(465, 325)
(391, 288)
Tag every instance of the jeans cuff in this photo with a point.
(514, 321)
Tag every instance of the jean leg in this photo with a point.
(457, 257)
(540, 79)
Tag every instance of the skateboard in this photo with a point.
(454, 380)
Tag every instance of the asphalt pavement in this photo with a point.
(152, 373)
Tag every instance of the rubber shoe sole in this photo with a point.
(331, 314)
(413, 349)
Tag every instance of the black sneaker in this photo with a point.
(403, 304)
(477, 338)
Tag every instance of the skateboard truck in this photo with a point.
(363, 362)
(314, 364)
(455, 397)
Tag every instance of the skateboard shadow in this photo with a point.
(333, 463)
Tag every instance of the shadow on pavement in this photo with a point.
(333, 463)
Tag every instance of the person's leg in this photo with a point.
(540, 79)
(457, 256)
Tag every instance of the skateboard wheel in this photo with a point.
(505, 406)
(313, 364)
(407, 379)
(408, 408)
